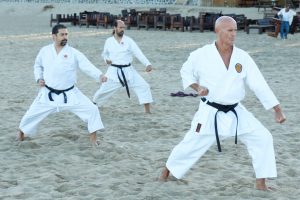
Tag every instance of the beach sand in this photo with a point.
(60, 163)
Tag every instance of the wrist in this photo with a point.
(277, 108)
(39, 80)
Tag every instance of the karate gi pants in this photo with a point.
(77, 103)
(140, 87)
(251, 132)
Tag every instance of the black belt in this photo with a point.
(124, 82)
(58, 92)
(223, 108)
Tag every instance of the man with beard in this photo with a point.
(219, 73)
(55, 72)
(118, 54)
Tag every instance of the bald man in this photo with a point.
(118, 53)
(219, 73)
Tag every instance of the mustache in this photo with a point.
(120, 33)
(64, 42)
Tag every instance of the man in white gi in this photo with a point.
(118, 54)
(219, 72)
(55, 72)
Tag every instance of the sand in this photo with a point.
(60, 163)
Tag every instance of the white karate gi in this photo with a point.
(59, 72)
(122, 54)
(206, 67)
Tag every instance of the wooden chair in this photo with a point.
(163, 21)
(92, 19)
(129, 17)
(262, 25)
(103, 19)
(241, 20)
(112, 18)
(132, 19)
(64, 18)
(153, 10)
(177, 22)
(163, 10)
(145, 19)
(125, 13)
(142, 21)
(295, 27)
(124, 16)
(83, 18)
(268, 23)
(193, 23)
(207, 20)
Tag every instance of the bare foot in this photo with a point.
(164, 174)
(93, 139)
(147, 108)
(261, 185)
(20, 136)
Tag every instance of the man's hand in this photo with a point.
(149, 68)
(41, 82)
(279, 116)
(108, 62)
(103, 78)
(202, 91)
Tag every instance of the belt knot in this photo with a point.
(223, 108)
(124, 81)
(58, 92)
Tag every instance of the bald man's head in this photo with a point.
(223, 22)
(118, 22)
(225, 28)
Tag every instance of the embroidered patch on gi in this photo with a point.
(238, 67)
(65, 56)
(198, 128)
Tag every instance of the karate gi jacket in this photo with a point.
(122, 54)
(60, 70)
(226, 86)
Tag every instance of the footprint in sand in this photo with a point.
(29, 145)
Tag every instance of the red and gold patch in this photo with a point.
(238, 67)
